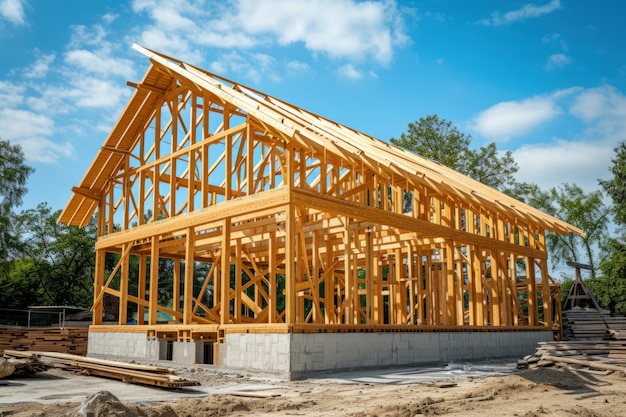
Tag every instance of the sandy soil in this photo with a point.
(554, 391)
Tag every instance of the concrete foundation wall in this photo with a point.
(125, 345)
(263, 352)
(294, 355)
(297, 354)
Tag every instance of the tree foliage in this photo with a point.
(13, 176)
(584, 210)
(57, 261)
(611, 289)
(616, 186)
(441, 141)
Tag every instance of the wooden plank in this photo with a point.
(127, 372)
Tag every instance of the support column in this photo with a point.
(225, 273)
(273, 291)
(98, 286)
(141, 291)
(154, 280)
(546, 294)
(189, 276)
(122, 318)
(531, 285)
(290, 268)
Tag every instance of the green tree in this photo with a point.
(611, 289)
(441, 141)
(19, 287)
(584, 210)
(13, 176)
(616, 186)
(60, 258)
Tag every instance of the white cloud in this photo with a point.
(350, 72)
(109, 18)
(555, 38)
(99, 62)
(93, 92)
(40, 67)
(32, 132)
(527, 11)
(514, 118)
(13, 11)
(88, 78)
(558, 61)
(11, 95)
(585, 158)
(340, 29)
(297, 67)
(253, 66)
(600, 103)
(562, 161)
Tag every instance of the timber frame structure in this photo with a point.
(298, 224)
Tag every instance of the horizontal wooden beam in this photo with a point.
(231, 208)
(421, 228)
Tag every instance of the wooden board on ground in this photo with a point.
(130, 373)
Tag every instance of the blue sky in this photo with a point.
(545, 79)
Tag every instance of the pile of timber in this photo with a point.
(590, 323)
(607, 355)
(126, 372)
(48, 339)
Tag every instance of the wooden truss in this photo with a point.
(274, 218)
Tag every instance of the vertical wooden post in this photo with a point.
(238, 281)
(123, 309)
(204, 176)
(369, 276)
(329, 284)
(272, 265)
(126, 196)
(531, 285)
(290, 268)
(399, 288)
(143, 261)
(97, 287)
(451, 302)
(421, 275)
(545, 293)
(176, 286)
(225, 273)
(496, 290)
(348, 281)
(250, 159)
(189, 276)
(228, 154)
(477, 303)
(154, 280)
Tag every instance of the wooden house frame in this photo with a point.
(298, 224)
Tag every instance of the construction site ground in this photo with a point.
(458, 389)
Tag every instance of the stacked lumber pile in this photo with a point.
(127, 372)
(606, 355)
(48, 339)
(590, 323)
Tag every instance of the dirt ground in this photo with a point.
(553, 391)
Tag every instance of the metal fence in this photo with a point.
(31, 318)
